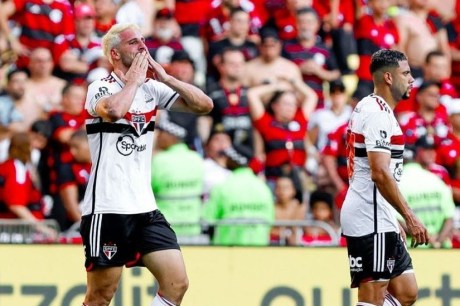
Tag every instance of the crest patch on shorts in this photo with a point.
(109, 250)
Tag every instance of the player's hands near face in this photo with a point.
(418, 232)
(158, 71)
(138, 70)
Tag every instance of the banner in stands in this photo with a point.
(49, 275)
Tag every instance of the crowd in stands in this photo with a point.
(284, 76)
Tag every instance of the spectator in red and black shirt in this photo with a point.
(73, 178)
(63, 124)
(231, 108)
(78, 53)
(427, 120)
(163, 41)
(435, 69)
(41, 22)
(106, 11)
(283, 126)
(316, 61)
(217, 23)
(338, 19)
(236, 37)
(373, 31)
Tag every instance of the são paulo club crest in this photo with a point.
(109, 249)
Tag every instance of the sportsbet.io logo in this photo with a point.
(126, 145)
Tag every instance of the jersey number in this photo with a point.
(350, 154)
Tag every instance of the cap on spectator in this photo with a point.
(84, 10)
(181, 55)
(425, 142)
(238, 158)
(336, 85)
(166, 125)
(165, 13)
(453, 107)
(427, 84)
(268, 33)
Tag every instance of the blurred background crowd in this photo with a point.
(284, 76)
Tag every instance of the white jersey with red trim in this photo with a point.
(121, 152)
(372, 128)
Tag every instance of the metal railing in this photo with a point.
(21, 231)
(284, 225)
(47, 231)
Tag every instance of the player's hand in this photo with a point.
(157, 70)
(138, 70)
(417, 231)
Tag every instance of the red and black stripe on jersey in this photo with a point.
(42, 22)
(395, 140)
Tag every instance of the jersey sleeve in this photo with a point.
(96, 91)
(165, 95)
(377, 132)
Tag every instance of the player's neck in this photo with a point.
(387, 97)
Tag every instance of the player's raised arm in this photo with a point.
(192, 99)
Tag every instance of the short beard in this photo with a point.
(127, 60)
(405, 96)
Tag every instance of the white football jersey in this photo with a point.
(372, 127)
(121, 152)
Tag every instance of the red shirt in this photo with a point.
(101, 29)
(319, 53)
(284, 143)
(191, 11)
(410, 105)
(441, 172)
(18, 189)
(285, 21)
(70, 42)
(448, 153)
(371, 37)
(416, 126)
(337, 147)
(346, 10)
(216, 24)
(41, 23)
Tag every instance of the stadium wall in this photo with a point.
(53, 275)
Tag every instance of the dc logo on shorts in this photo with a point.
(356, 264)
(109, 250)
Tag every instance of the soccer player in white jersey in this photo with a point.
(380, 265)
(121, 225)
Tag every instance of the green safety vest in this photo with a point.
(177, 183)
(245, 196)
(428, 196)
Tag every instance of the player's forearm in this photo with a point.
(116, 106)
(197, 101)
(389, 190)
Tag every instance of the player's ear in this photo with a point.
(115, 54)
(388, 78)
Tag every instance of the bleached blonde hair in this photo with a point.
(112, 38)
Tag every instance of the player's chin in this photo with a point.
(406, 95)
